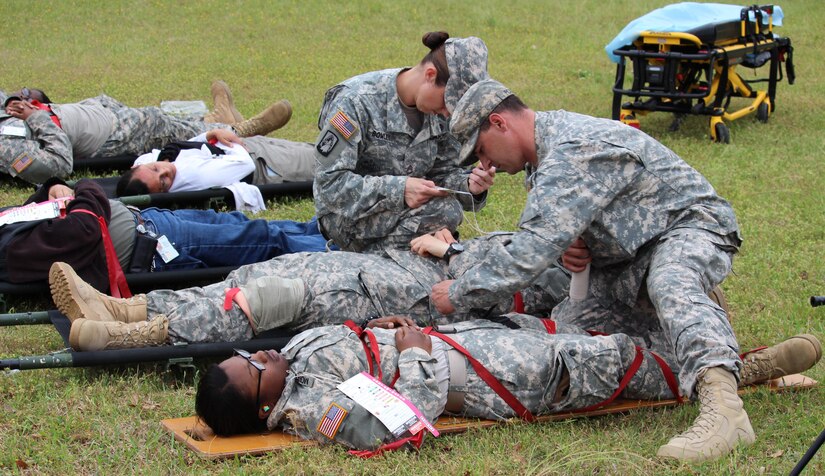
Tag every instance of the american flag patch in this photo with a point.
(21, 163)
(331, 420)
(341, 122)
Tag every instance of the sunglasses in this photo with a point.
(258, 366)
(26, 93)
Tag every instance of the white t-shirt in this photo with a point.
(198, 169)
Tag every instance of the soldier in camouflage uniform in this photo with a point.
(658, 235)
(33, 149)
(384, 146)
(95, 127)
(547, 370)
(292, 292)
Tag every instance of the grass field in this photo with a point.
(106, 421)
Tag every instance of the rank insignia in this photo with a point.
(331, 420)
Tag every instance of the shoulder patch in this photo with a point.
(331, 421)
(327, 143)
(22, 162)
(343, 124)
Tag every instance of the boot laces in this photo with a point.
(758, 367)
(705, 423)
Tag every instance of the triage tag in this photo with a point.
(393, 410)
(31, 212)
(165, 249)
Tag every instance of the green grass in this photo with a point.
(106, 421)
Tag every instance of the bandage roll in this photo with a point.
(579, 284)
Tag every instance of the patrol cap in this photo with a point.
(467, 62)
(472, 110)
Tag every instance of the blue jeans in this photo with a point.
(205, 238)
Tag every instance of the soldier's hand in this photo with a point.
(409, 337)
(440, 296)
(481, 179)
(577, 256)
(20, 109)
(429, 245)
(224, 136)
(418, 191)
(391, 322)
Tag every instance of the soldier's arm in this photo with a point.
(448, 173)
(338, 187)
(47, 154)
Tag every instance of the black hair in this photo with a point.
(225, 409)
(434, 40)
(128, 185)
(46, 99)
(512, 104)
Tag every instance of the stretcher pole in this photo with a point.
(25, 318)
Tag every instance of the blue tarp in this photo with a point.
(681, 17)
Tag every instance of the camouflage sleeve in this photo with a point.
(339, 188)
(48, 153)
(583, 179)
(358, 428)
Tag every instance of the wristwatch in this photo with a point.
(453, 249)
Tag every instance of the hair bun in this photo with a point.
(434, 39)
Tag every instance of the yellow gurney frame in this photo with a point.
(696, 72)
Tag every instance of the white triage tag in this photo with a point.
(17, 131)
(32, 212)
(165, 249)
(393, 410)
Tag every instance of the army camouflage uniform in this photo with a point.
(360, 179)
(528, 361)
(44, 152)
(341, 286)
(139, 130)
(660, 238)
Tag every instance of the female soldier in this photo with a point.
(534, 372)
(385, 148)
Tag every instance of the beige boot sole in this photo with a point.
(65, 294)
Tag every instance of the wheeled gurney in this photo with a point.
(686, 59)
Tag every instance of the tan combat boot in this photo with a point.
(722, 422)
(797, 354)
(225, 111)
(273, 117)
(87, 335)
(78, 299)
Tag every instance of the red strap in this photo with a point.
(47, 108)
(485, 375)
(669, 377)
(370, 349)
(634, 367)
(518, 302)
(117, 280)
(230, 295)
(744, 354)
(550, 325)
(414, 440)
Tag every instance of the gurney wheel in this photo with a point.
(763, 112)
(722, 133)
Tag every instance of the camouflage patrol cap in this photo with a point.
(472, 110)
(467, 62)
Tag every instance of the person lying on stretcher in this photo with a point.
(313, 388)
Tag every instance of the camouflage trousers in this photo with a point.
(391, 229)
(673, 315)
(339, 286)
(139, 130)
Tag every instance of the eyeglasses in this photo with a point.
(258, 366)
(26, 93)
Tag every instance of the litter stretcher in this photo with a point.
(687, 58)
